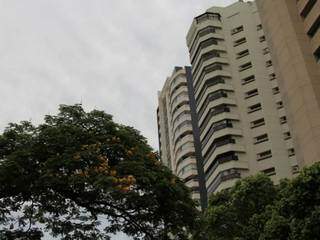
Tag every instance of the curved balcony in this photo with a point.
(220, 156)
(180, 110)
(228, 175)
(224, 100)
(204, 42)
(176, 98)
(214, 96)
(185, 162)
(186, 115)
(198, 69)
(180, 100)
(179, 106)
(218, 118)
(188, 138)
(220, 150)
(212, 89)
(182, 132)
(185, 158)
(189, 168)
(218, 133)
(209, 83)
(173, 91)
(182, 125)
(214, 128)
(180, 119)
(201, 34)
(214, 112)
(186, 150)
(196, 27)
(182, 88)
(189, 173)
(207, 47)
(192, 184)
(177, 78)
(311, 22)
(209, 75)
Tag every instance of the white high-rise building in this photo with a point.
(239, 119)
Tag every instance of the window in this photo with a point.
(223, 108)
(207, 69)
(317, 54)
(243, 54)
(179, 106)
(255, 107)
(269, 171)
(189, 144)
(204, 44)
(307, 9)
(206, 30)
(187, 168)
(221, 158)
(261, 138)
(314, 27)
(265, 51)
(211, 97)
(268, 63)
(219, 142)
(181, 115)
(204, 57)
(275, 90)
(287, 135)
(272, 76)
(246, 80)
(279, 104)
(208, 83)
(245, 66)
(208, 16)
(226, 123)
(251, 93)
(236, 30)
(264, 155)
(262, 38)
(257, 123)
(283, 120)
(259, 27)
(291, 152)
(295, 169)
(239, 42)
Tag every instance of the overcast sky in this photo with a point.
(112, 55)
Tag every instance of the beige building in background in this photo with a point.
(292, 31)
(241, 116)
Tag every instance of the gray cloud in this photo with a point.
(110, 54)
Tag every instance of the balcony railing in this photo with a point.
(213, 112)
(214, 128)
(222, 177)
(216, 144)
(211, 97)
(208, 83)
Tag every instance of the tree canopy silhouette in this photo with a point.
(79, 175)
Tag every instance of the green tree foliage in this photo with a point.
(77, 171)
(255, 209)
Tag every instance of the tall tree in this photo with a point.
(79, 175)
(230, 212)
(256, 209)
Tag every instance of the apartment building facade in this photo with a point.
(241, 117)
(251, 97)
(293, 33)
(178, 133)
